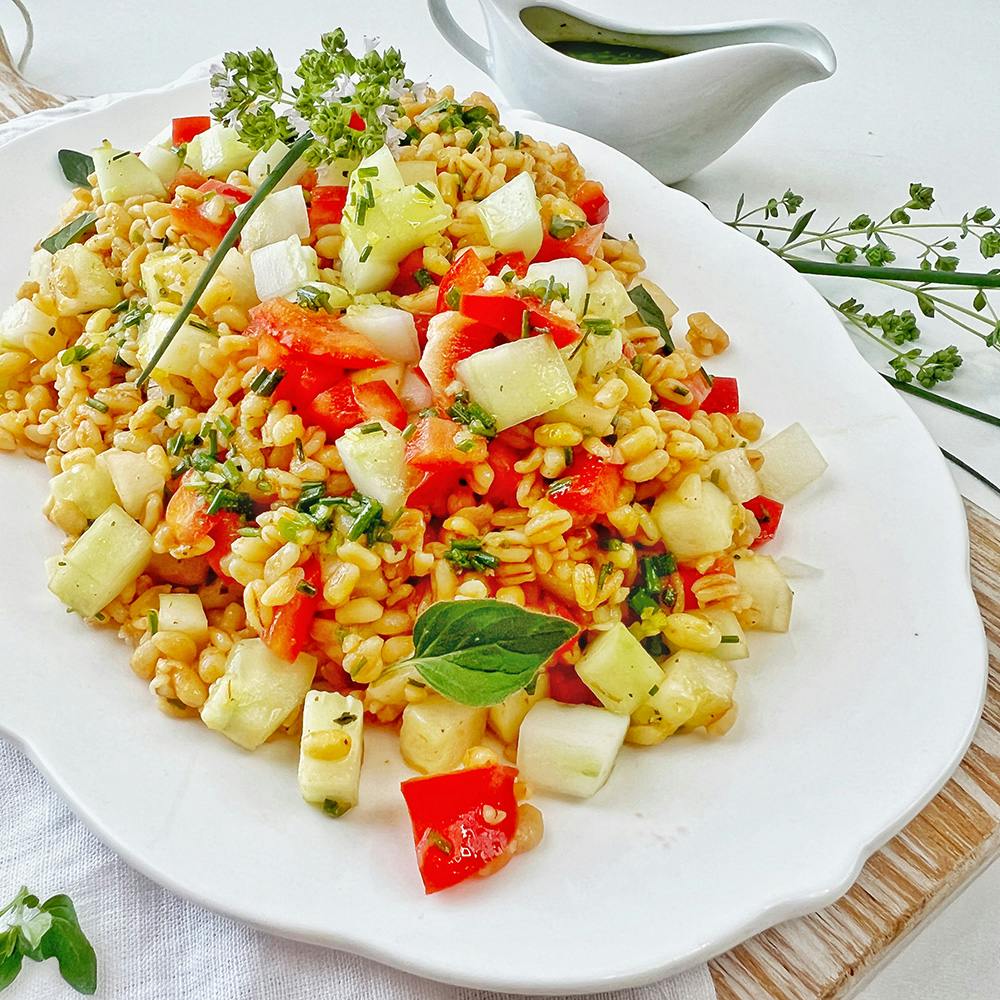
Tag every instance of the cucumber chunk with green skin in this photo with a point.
(517, 381)
(397, 223)
(569, 749)
(322, 776)
(791, 462)
(88, 487)
(265, 161)
(618, 670)
(80, 282)
(105, 559)
(163, 162)
(170, 275)
(608, 299)
(257, 693)
(218, 151)
(732, 472)
(436, 733)
(511, 217)
(566, 271)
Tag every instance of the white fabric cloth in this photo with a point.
(152, 945)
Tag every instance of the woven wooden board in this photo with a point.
(826, 954)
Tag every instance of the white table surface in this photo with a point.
(914, 99)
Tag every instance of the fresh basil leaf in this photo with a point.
(76, 167)
(68, 945)
(10, 966)
(478, 652)
(72, 232)
(651, 315)
(34, 928)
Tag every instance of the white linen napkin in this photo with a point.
(152, 945)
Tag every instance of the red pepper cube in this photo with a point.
(724, 396)
(768, 514)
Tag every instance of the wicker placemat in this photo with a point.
(828, 953)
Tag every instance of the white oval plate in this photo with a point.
(848, 725)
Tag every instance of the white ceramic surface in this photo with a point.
(848, 725)
(674, 115)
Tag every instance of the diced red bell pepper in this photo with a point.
(188, 517)
(591, 198)
(185, 177)
(185, 129)
(768, 514)
(432, 447)
(590, 486)
(503, 490)
(288, 633)
(562, 331)
(724, 396)
(309, 337)
(566, 686)
(334, 410)
(516, 261)
(433, 489)
(379, 402)
(451, 338)
(191, 218)
(224, 533)
(583, 245)
(406, 283)
(698, 387)
(421, 321)
(326, 205)
(237, 194)
(690, 576)
(504, 312)
(466, 274)
(356, 122)
(452, 837)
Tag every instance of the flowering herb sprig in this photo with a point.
(347, 102)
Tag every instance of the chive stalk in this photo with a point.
(949, 404)
(920, 275)
(228, 242)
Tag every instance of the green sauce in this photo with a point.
(607, 52)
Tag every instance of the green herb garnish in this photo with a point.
(467, 553)
(652, 315)
(651, 590)
(265, 381)
(311, 297)
(76, 167)
(72, 232)
(478, 420)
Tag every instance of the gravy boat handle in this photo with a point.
(477, 54)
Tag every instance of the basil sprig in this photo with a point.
(478, 652)
(72, 232)
(39, 931)
(76, 167)
(651, 315)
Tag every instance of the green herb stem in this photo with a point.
(949, 404)
(965, 467)
(894, 273)
(228, 242)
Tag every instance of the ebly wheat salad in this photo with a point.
(358, 415)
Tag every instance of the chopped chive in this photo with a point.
(465, 445)
(359, 215)
(730, 638)
(439, 842)
(333, 808)
(249, 532)
(154, 621)
(423, 277)
(265, 381)
(306, 588)
(96, 404)
(517, 140)
(408, 431)
(453, 298)
(365, 253)
(369, 194)
(367, 171)
(225, 425)
(373, 428)
(586, 303)
(425, 191)
(477, 138)
(121, 307)
(525, 323)
(558, 486)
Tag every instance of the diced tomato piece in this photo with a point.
(466, 274)
(356, 122)
(698, 387)
(433, 489)
(768, 514)
(566, 686)
(302, 383)
(432, 446)
(238, 194)
(590, 486)
(187, 513)
(452, 838)
(191, 218)
(224, 533)
(185, 129)
(503, 490)
(312, 337)
(516, 261)
(185, 177)
(689, 576)
(503, 311)
(288, 633)
(723, 397)
(335, 410)
(326, 205)
(591, 198)
(562, 331)
(583, 245)
(450, 339)
(379, 402)
(406, 283)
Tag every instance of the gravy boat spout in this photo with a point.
(675, 99)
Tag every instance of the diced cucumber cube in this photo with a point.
(88, 487)
(336, 173)
(375, 460)
(181, 355)
(791, 462)
(280, 268)
(567, 271)
(511, 217)
(40, 267)
(105, 559)
(583, 412)
(363, 276)
(183, 613)
(257, 693)
(24, 319)
(518, 380)
(280, 215)
(693, 527)
(163, 162)
(233, 282)
(436, 733)
(608, 299)
(418, 172)
(122, 175)
(170, 275)
(397, 223)
(734, 641)
(135, 479)
(331, 750)
(601, 351)
(732, 472)
(505, 719)
(380, 170)
(265, 161)
(569, 749)
(618, 670)
(392, 331)
(221, 151)
(80, 282)
(392, 374)
(771, 597)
